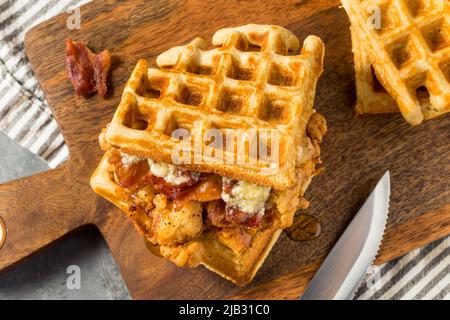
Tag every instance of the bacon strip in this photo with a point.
(172, 191)
(215, 214)
(87, 71)
(131, 176)
(220, 216)
(236, 216)
(208, 189)
(137, 175)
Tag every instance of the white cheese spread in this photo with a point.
(128, 159)
(248, 197)
(170, 173)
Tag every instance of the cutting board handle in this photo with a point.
(36, 211)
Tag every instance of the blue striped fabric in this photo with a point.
(24, 114)
(26, 117)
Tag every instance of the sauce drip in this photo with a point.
(304, 228)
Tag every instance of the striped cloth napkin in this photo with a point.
(26, 117)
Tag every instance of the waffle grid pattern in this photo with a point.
(372, 97)
(251, 81)
(411, 51)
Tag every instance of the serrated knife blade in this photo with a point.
(355, 250)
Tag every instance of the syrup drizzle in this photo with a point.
(304, 228)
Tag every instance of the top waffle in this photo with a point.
(251, 81)
(409, 47)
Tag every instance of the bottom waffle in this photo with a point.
(234, 254)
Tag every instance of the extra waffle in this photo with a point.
(402, 56)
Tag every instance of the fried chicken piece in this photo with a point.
(235, 238)
(172, 227)
(317, 127)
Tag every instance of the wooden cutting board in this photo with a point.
(41, 209)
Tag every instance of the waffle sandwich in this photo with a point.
(178, 155)
(402, 56)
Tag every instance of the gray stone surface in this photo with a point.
(44, 275)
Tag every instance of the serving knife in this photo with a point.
(355, 250)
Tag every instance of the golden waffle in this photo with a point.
(410, 54)
(213, 250)
(372, 97)
(251, 80)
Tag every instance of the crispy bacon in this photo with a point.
(220, 216)
(170, 190)
(129, 176)
(203, 188)
(236, 216)
(215, 214)
(208, 189)
(87, 71)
